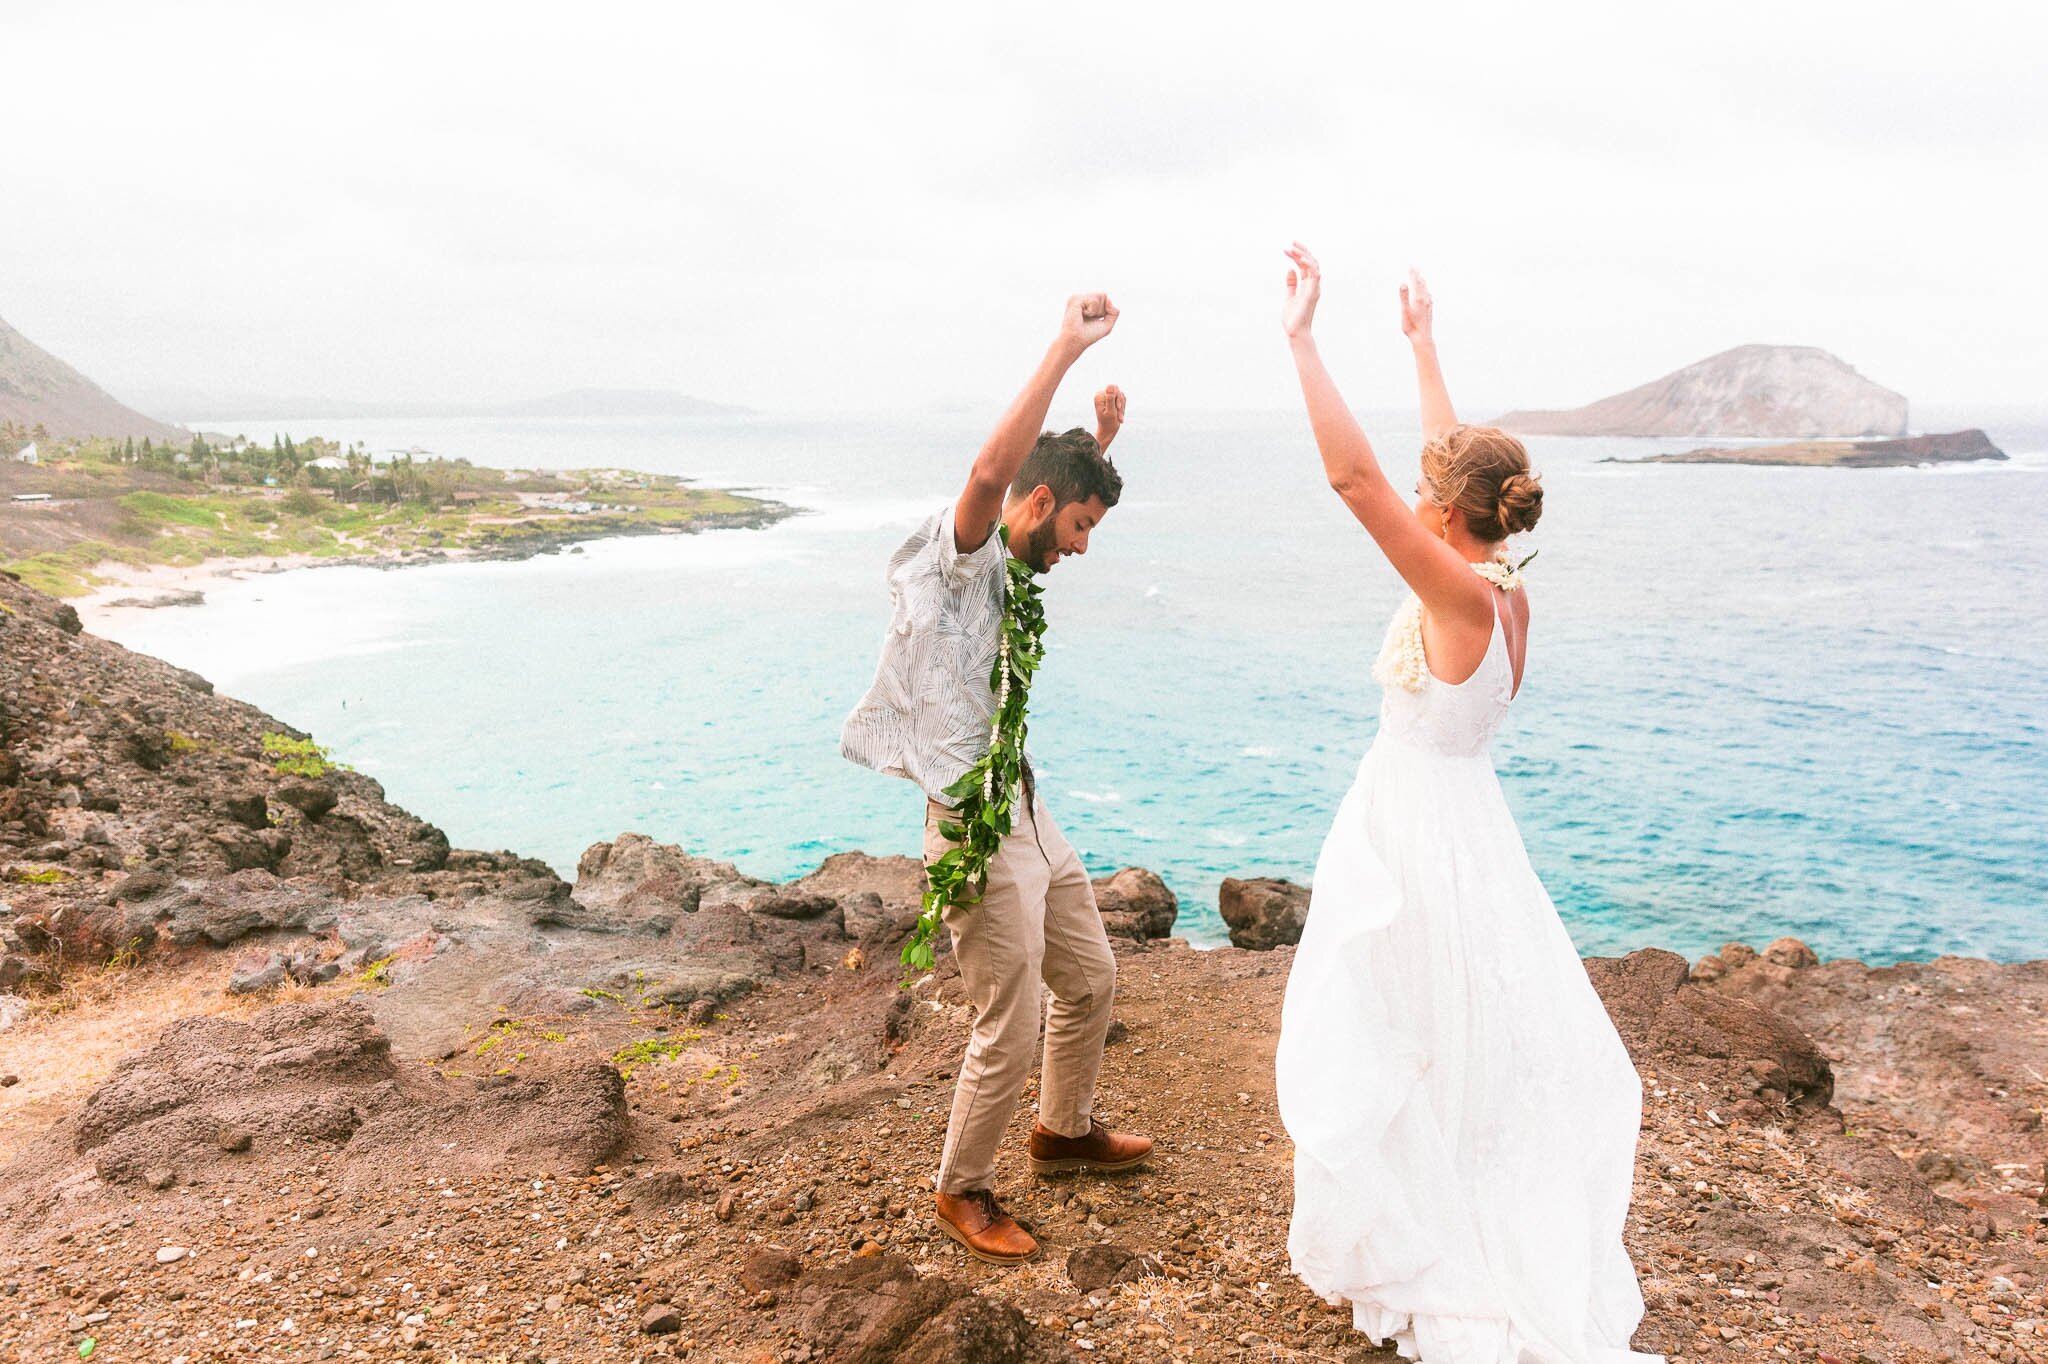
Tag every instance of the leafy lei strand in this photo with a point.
(988, 791)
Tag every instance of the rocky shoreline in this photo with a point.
(284, 1074)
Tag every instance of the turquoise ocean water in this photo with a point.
(1759, 701)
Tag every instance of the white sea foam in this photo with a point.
(1096, 797)
(268, 623)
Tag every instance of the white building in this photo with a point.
(27, 455)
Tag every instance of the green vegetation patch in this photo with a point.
(163, 509)
(48, 877)
(297, 757)
(651, 1051)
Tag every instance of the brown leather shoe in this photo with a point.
(978, 1222)
(1102, 1150)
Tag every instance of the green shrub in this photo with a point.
(297, 757)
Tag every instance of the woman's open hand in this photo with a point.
(1418, 311)
(1304, 289)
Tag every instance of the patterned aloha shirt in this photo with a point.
(927, 715)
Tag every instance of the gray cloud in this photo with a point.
(827, 207)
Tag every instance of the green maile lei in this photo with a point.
(988, 792)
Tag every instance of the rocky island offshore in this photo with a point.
(282, 1073)
(1955, 447)
(1781, 391)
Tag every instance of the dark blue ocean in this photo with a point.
(1759, 701)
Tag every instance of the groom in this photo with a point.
(927, 717)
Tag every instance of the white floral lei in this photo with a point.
(1402, 663)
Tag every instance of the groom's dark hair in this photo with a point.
(1073, 466)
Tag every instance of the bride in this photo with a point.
(1463, 1113)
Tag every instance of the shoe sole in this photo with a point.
(986, 1257)
(1076, 1164)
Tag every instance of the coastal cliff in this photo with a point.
(1755, 390)
(280, 1068)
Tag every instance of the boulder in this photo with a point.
(868, 915)
(665, 1189)
(1792, 953)
(898, 881)
(877, 1310)
(1091, 1267)
(866, 1308)
(294, 1071)
(243, 850)
(223, 910)
(310, 798)
(769, 1267)
(633, 869)
(971, 1330)
(781, 903)
(1666, 1018)
(1263, 913)
(147, 746)
(257, 970)
(547, 1116)
(1136, 904)
(250, 809)
(426, 848)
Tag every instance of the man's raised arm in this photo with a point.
(1089, 318)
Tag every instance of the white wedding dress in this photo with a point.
(1463, 1113)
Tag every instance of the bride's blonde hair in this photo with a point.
(1483, 472)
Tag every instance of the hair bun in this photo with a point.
(1519, 503)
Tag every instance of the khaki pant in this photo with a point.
(1035, 921)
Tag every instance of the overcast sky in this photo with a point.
(821, 207)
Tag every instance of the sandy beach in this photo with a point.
(127, 588)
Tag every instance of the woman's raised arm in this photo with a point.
(1418, 324)
(1438, 574)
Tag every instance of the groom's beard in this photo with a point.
(1038, 546)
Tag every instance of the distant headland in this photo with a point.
(1954, 447)
(1790, 392)
(98, 500)
(137, 523)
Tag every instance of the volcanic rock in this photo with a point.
(1136, 904)
(1750, 1050)
(1263, 913)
